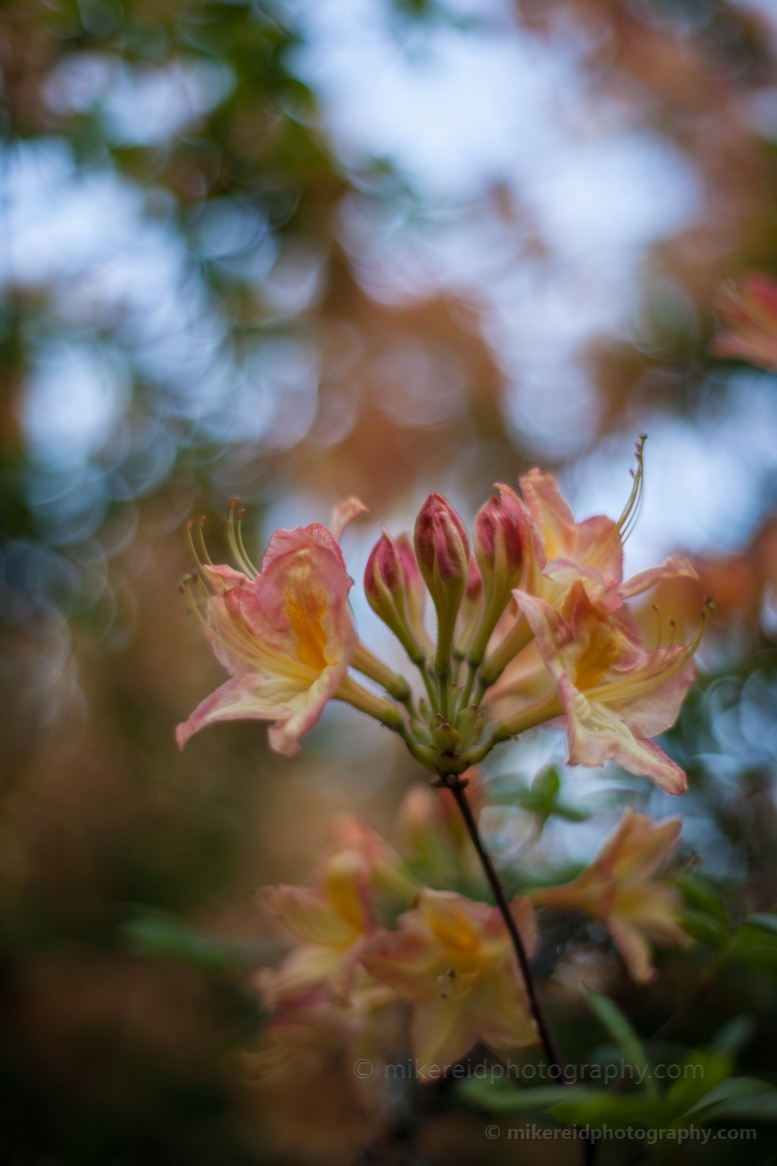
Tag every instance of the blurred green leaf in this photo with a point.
(733, 1036)
(160, 935)
(505, 1097)
(735, 1089)
(612, 1109)
(542, 798)
(766, 922)
(701, 1071)
(621, 1031)
(706, 929)
(756, 946)
(702, 898)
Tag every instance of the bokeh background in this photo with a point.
(292, 252)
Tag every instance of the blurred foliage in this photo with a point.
(238, 335)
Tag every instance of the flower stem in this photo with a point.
(457, 788)
(430, 691)
(467, 693)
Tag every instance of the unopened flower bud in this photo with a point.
(385, 586)
(470, 611)
(415, 591)
(469, 723)
(499, 546)
(445, 738)
(442, 551)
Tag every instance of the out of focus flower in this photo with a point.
(319, 1074)
(386, 870)
(286, 634)
(748, 315)
(315, 1022)
(613, 694)
(453, 958)
(435, 839)
(619, 888)
(330, 922)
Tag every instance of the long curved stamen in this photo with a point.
(622, 692)
(628, 518)
(192, 547)
(203, 547)
(253, 572)
(240, 559)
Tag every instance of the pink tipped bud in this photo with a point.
(441, 543)
(469, 613)
(498, 543)
(500, 534)
(442, 551)
(415, 591)
(474, 581)
(384, 570)
(409, 564)
(386, 588)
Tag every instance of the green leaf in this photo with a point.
(570, 813)
(764, 920)
(706, 928)
(702, 898)
(756, 1106)
(756, 946)
(611, 1109)
(621, 1031)
(505, 1097)
(163, 936)
(733, 1089)
(542, 798)
(546, 785)
(709, 1071)
(733, 1036)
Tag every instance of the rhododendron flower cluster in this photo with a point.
(447, 956)
(533, 628)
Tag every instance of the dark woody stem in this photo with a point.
(457, 788)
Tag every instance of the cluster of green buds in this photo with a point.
(470, 595)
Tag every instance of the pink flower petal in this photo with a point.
(344, 515)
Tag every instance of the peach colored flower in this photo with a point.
(560, 552)
(748, 315)
(330, 922)
(386, 870)
(435, 839)
(591, 551)
(613, 694)
(453, 958)
(286, 634)
(619, 888)
(318, 1026)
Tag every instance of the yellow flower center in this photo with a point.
(604, 647)
(305, 606)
